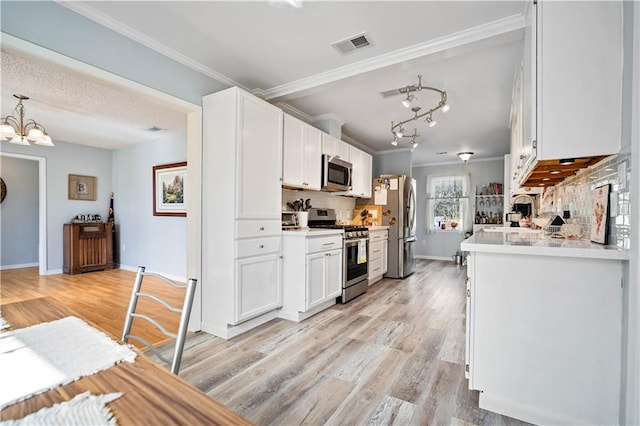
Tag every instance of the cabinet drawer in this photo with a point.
(377, 236)
(375, 268)
(329, 242)
(258, 228)
(375, 250)
(258, 246)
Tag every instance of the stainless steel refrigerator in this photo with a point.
(397, 196)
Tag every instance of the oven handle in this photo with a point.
(355, 241)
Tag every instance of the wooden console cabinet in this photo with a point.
(87, 247)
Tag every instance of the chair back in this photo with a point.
(184, 311)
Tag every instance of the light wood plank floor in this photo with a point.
(392, 356)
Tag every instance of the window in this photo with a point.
(448, 203)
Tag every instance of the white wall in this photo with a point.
(443, 244)
(19, 213)
(62, 160)
(157, 242)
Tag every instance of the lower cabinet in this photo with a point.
(317, 258)
(544, 336)
(258, 287)
(378, 253)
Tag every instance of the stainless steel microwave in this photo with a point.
(336, 174)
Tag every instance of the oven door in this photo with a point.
(356, 262)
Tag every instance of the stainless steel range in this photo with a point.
(355, 252)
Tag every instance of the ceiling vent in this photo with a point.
(353, 43)
(154, 129)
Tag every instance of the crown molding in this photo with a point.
(291, 110)
(142, 39)
(482, 32)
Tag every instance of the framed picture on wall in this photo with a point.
(600, 215)
(169, 189)
(82, 187)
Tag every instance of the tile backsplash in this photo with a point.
(343, 205)
(575, 194)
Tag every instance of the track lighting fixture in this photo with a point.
(443, 105)
(412, 144)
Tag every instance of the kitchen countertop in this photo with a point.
(377, 228)
(306, 232)
(535, 243)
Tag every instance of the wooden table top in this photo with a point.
(152, 395)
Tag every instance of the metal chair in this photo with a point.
(184, 311)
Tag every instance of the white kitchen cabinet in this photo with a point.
(573, 55)
(335, 147)
(242, 234)
(378, 253)
(313, 267)
(302, 155)
(258, 286)
(543, 328)
(361, 173)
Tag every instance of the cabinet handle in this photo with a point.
(261, 245)
(468, 293)
(522, 156)
(262, 228)
(327, 244)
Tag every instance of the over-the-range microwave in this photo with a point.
(336, 174)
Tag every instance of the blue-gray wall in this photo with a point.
(392, 163)
(61, 30)
(19, 213)
(157, 242)
(443, 244)
(62, 160)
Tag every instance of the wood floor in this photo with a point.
(100, 297)
(392, 356)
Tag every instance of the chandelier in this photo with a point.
(398, 130)
(19, 132)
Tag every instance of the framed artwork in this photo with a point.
(168, 189)
(600, 215)
(82, 187)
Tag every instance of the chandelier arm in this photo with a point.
(10, 119)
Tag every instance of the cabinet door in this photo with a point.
(334, 266)
(385, 255)
(315, 280)
(580, 78)
(293, 153)
(335, 147)
(468, 319)
(366, 172)
(259, 143)
(258, 286)
(526, 152)
(312, 157)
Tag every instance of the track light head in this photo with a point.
(446, 107)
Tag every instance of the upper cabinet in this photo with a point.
(302, 155)
(361, 173)
(571, 85)
(335, 147)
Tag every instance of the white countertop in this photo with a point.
(535, 243)
(305, 232)
(377, 228)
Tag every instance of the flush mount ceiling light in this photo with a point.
(410, 98)
(464, 156)
(19, 132)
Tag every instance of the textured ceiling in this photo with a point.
(78, 110)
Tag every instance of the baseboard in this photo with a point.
(171, 277)
(54, 271)
(228, 331)
(19, 266)
(419, 256)
(301, 316)
(525, 412)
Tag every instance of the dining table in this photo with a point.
(151, 394)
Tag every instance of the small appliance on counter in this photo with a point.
(289, 220)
